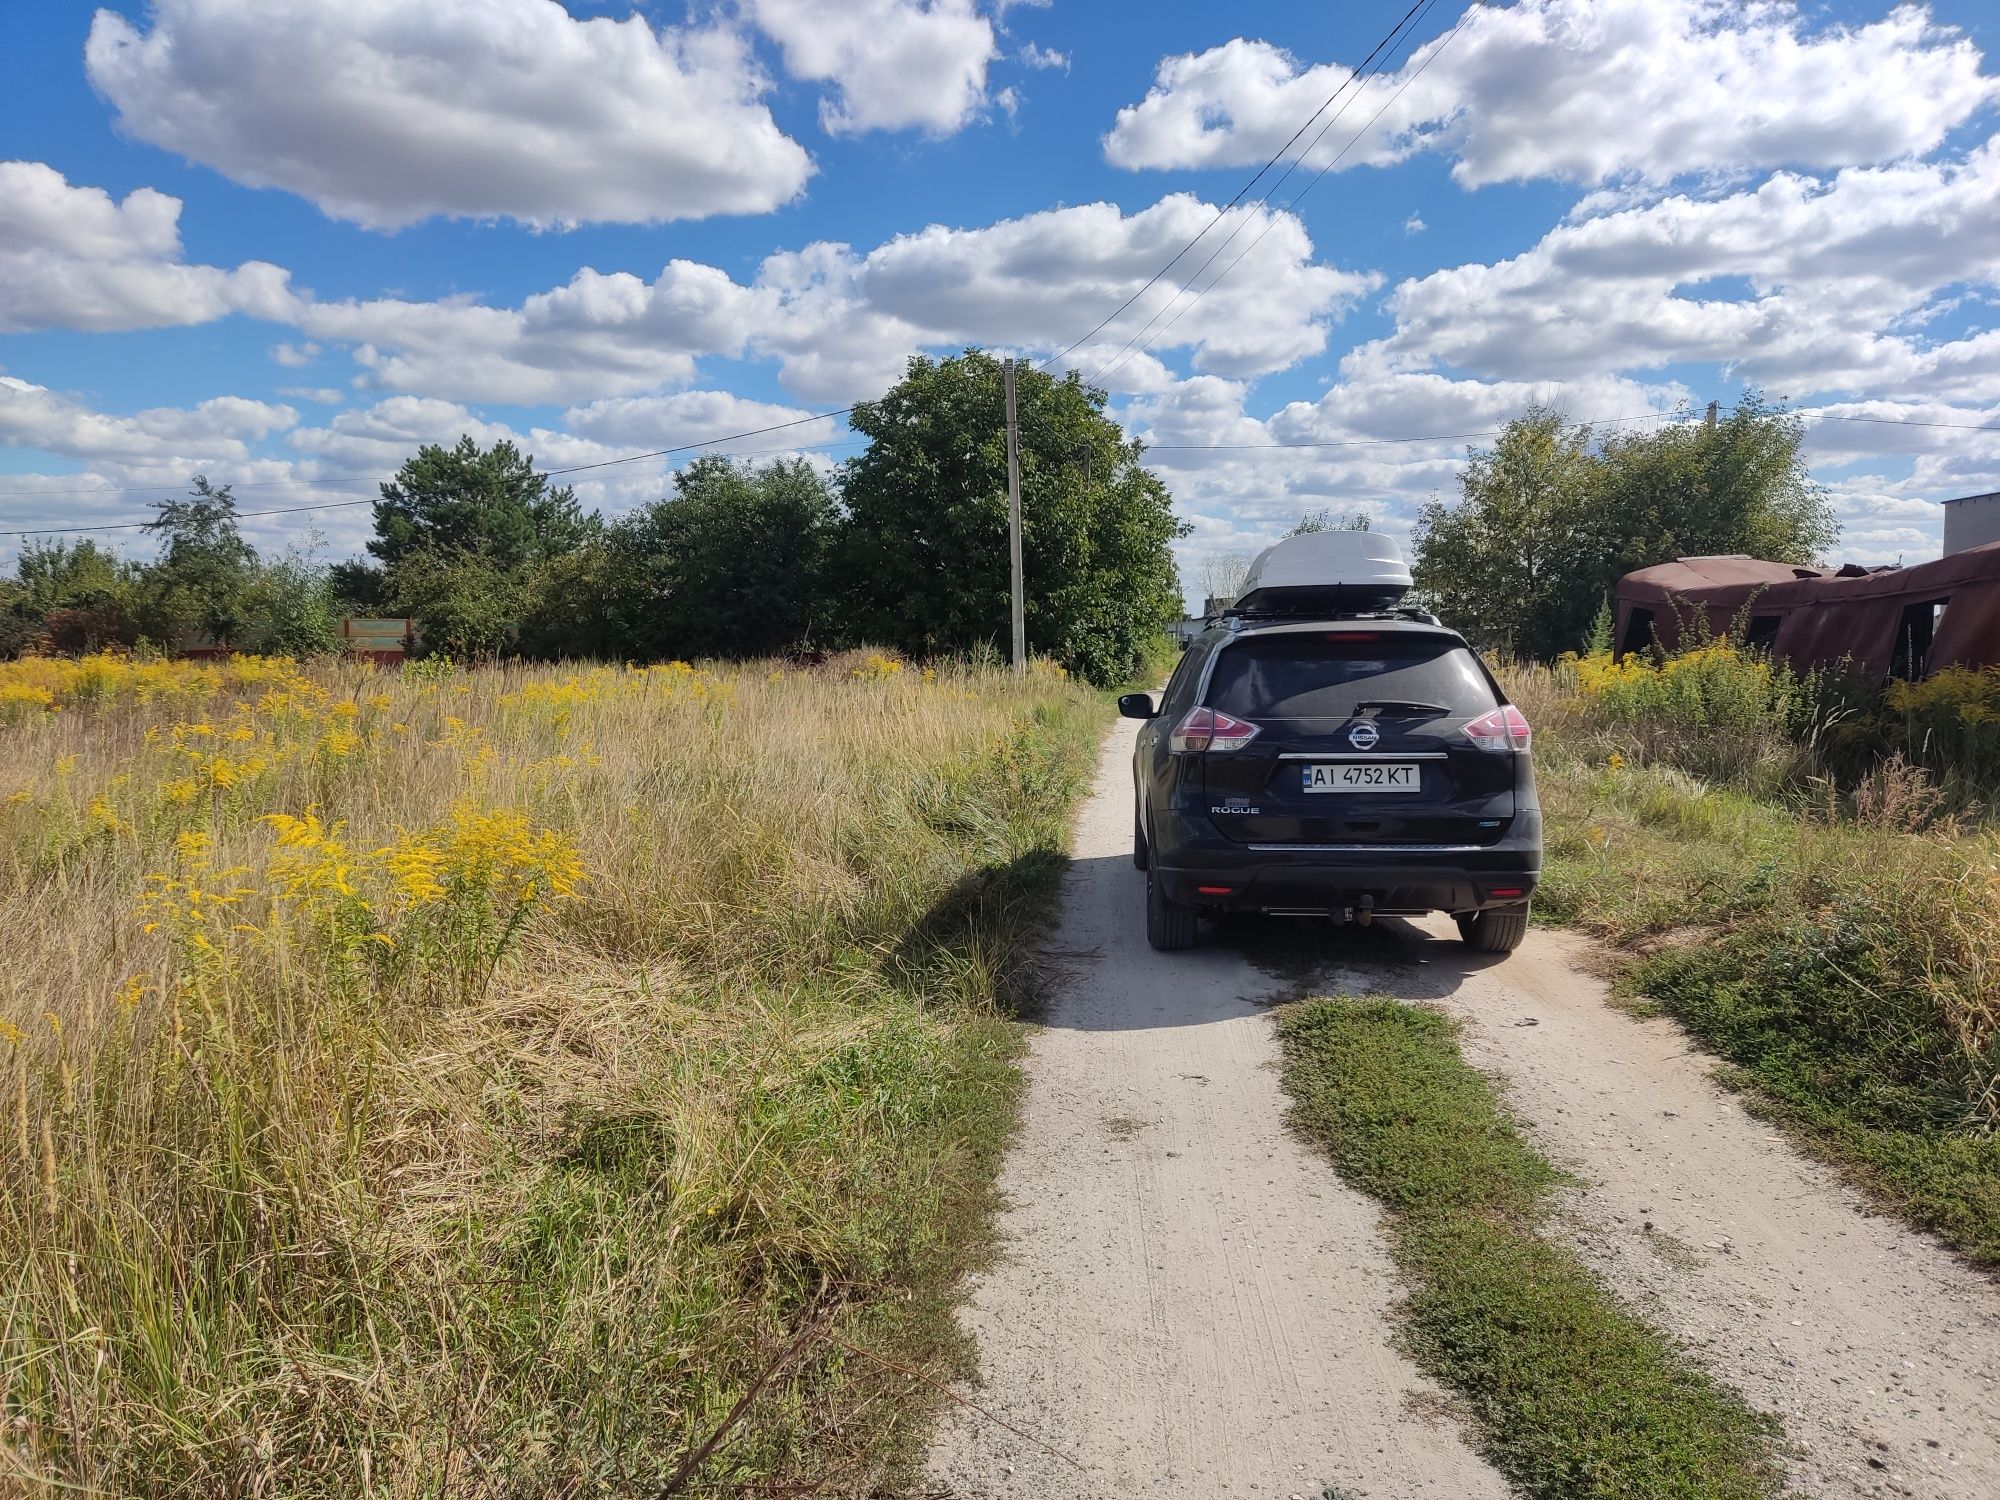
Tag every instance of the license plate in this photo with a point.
(1375, 776)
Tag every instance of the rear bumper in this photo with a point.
(1216, 875)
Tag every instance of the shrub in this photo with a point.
(1950, 721)
(1715, 710)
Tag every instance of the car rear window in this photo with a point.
(1313, 677)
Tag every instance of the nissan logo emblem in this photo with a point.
(1363, 736)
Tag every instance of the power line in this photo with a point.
(241, 515)
(293, 510)
(1827, 416)
(1433, 437)
(373, 479)
(1154, 279)
(1353, 77)
(633, 458)
(1272, 222)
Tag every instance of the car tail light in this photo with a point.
(1205, 729)
(1502, 730)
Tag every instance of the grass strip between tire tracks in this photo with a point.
(1572, 1394)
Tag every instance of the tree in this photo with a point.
(733, 564)
(462, 500)
(1324, 519)
(201, 580)
(359, 587)
(290, 609)
(73, 597)
(73, 575)
(923, 552)
(1518, 563)
(1549, 519)
(1222, 575)
(20, 630)
(465, 604)
(1693, 490)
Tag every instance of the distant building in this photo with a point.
(1971, 522)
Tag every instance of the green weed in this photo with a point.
(1574, 1396)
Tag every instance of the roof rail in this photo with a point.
(1240, 617)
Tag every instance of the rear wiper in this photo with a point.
(1398, 706)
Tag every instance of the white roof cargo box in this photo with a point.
(1327, 570)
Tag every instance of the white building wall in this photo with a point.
(1971, 522)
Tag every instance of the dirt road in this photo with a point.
(1191, 1304)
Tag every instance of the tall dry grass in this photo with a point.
(470, 1083)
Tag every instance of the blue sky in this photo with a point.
(284, 243)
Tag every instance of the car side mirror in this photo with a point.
(1136, 706)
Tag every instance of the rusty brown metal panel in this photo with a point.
(1827, 619)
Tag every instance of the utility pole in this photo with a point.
(1014, 523)
(1713, 407)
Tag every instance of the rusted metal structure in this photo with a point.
(1876, 622)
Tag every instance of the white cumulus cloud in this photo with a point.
(75, 257)
(1812, 284)
(385, 112)
(846, 322)
(891, 64)
(1583, 90)
(842, 322)
(33, 416)
(598, 334)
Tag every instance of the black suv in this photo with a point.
(1351, 766)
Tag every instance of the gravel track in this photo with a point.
(1189, 1303)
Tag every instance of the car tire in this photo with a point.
(1141, 855)
(1498, 929)
(1169, 925)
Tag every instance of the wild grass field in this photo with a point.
(524, 1081)
(1827, 923)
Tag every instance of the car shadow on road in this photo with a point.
(1106, 978)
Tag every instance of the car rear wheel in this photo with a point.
(1140, 853)
(1498, 929)
(1169, 925)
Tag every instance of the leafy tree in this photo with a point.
(1518, 562)
(1548, 519)
(465, 604)
(1324, 519)
(359, 587)
(72, 575)
(570, 607)
(290, 609)
(464, 500)
(734, 563)
(1693, 490)
(69, 597)
(201, 581)
(19, 628)
(923, 553)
